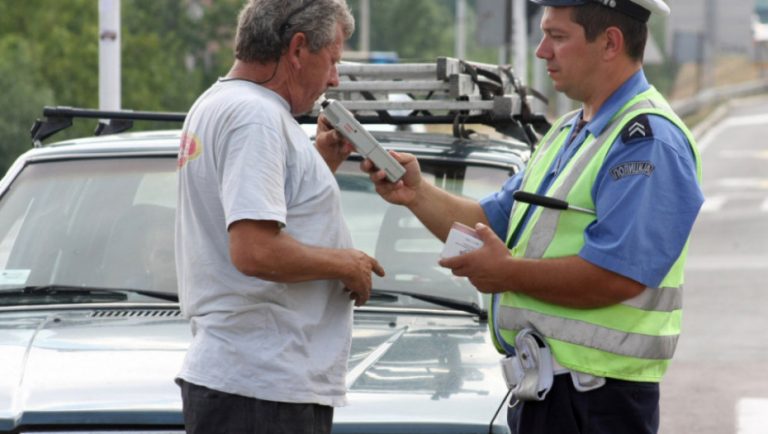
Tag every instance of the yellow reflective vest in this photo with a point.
(633, 340)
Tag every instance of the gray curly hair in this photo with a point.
(265, 27)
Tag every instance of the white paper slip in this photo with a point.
(461, 239)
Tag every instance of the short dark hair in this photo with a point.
(596, 18)
(265, 27)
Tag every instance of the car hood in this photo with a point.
(90, 367)
(108, 367)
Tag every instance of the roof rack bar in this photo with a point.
(69, 112)
(110, 122)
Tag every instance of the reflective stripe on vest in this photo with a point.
(633, 340)
(587, 335)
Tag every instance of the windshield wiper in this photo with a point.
(450, 303)
(51, 290)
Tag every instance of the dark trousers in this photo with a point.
(208, 411)
(619, 407)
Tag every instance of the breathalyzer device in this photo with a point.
(365, 144)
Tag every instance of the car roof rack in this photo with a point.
(449, 91)
(110, 122)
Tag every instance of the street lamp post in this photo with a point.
(109, 55)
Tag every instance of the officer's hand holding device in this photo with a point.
(345, 123)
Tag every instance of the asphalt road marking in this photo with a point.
(749, 201)
(752, 416)
(727, 262)
(713, 203)
(759, 183)
(743, 153)
(730, 122)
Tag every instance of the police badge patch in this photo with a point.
(637, 128)
(630, 169)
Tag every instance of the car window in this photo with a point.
(93, 222)
(403, 246)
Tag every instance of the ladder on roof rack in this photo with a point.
(448, 91)
(449, 84)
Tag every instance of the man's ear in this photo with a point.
(295, 47)
(613, 43)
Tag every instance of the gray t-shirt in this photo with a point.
(243, 156)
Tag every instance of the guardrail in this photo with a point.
(718, 95)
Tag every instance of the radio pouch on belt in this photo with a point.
(529, 373)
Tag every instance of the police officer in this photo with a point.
(601, 291)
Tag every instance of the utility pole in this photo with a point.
(365, 27)
(710, 43)
(109, 55)
(505, 50)
(460, 46)
(514, 49)
(520, 39)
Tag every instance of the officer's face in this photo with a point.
(571, 59)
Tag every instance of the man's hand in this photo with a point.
(485, 267)
(331, 145)
(358, 280)
(402, 192)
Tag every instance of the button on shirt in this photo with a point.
(643, 220)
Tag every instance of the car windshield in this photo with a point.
(100, 223)
(109, 223)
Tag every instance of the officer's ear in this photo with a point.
(612, 43)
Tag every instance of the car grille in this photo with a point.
(136, 313)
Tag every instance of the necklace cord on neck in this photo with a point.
(274, 72)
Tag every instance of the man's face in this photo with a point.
(571, 60)
(318, 72)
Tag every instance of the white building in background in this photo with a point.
(721, 26)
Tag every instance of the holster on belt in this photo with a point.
(529, 373)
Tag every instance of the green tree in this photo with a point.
(416, 30)
(24, 93)
(62, 37)
(50, 55)
(172, 51)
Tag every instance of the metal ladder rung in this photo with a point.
(396, 86)
(430, 105)
(397, 70)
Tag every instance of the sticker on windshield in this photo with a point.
(14, 277)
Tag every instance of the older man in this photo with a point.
(267, 273)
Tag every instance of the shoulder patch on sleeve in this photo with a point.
(637, 128)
